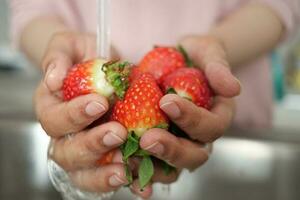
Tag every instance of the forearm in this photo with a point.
(249, 33)
(36, 35)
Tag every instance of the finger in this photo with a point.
(160, 175)
(144, 193)
(222, 81)
(159, 172)
(199, 123)
(63, 51)
(61, 118)
(84, 149)
(209, 54)
(104, 179)
(179, 152)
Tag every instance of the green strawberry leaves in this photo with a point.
(128, 173)
(171, 91)
(141, 153)
(168, 169)
(162, 126)
(146, 171)
(188, 60)
(117, 74)
(146, 167)
(130, 147)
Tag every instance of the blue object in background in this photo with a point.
(278, 76)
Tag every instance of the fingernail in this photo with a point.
(115, 181)
(94, 108)
(171, 109)
(111, 139)
(155, 148)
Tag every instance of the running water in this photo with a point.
(103, 29)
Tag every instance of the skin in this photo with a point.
(58, 48)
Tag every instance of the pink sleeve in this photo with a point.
(288, 11)
(23, 11)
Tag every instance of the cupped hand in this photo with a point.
(202, 126)
(78, 153)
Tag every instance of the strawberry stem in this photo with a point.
(187, 59)
(171, 91)
(117, 74)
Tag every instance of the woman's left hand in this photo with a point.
(201, 125)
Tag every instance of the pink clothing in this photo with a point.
(139, 24)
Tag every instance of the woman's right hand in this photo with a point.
(78, 153)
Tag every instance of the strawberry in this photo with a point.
(106, 158)
(138, 112)
(96, 76)
(189, 83)
(161, 61)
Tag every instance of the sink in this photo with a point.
(256, 165)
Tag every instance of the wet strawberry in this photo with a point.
(189, 83)
(160, 62)
(96, 76)
(139, 110)
(107, 158)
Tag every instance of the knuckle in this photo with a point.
(172, 156)
(216, 133)
(190, 125)
(59, 155)
(94, 146)
(74, 114)
(199, 161)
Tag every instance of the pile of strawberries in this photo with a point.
(135, 92)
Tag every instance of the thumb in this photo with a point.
(208, 53)
(63, 51)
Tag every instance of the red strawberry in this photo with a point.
(139, 110)
(160, 62)
(96, 76)
(107, 158)
(190, 83)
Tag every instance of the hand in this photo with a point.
(201, 125)
(78, 153)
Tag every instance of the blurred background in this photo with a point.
(248, 164)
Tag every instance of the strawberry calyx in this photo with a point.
(182, 94)
(171, 90)
(117, 74)
(146, 168)
(187, 59)
(162, 126)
